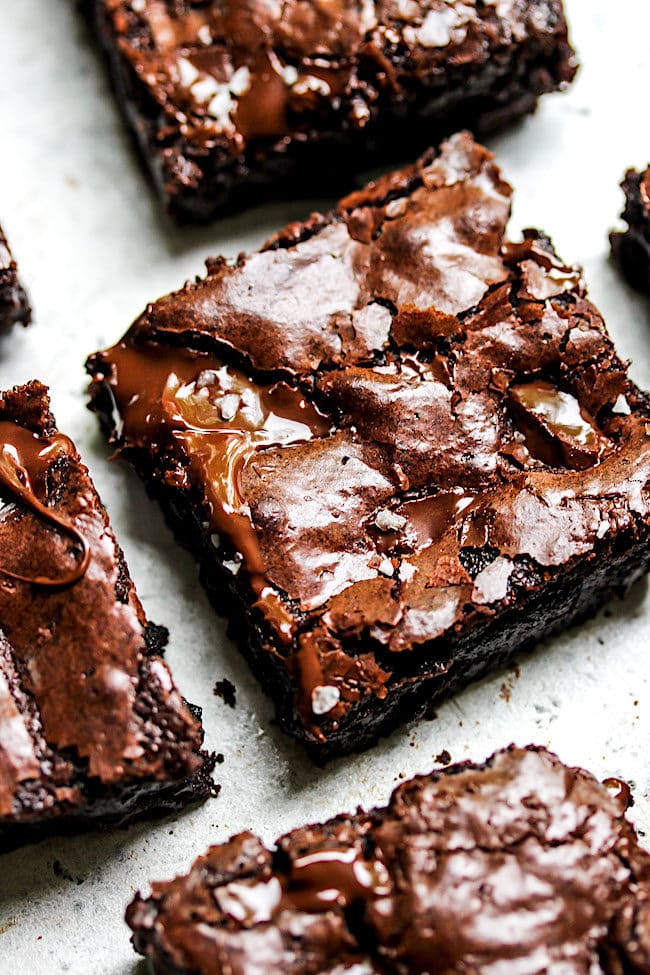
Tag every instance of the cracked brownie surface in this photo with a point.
(235, 101)
(520, 865)
(402, 447)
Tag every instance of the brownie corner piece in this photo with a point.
(402, 447)
(520, 864)
(631, 247)
(92, 728)
(235, 102)
(14, 303)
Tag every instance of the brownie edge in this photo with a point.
(14, 303)
(631, 248)
(519, 865)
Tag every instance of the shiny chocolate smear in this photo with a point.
(218, 417)
(319, 880)
(25, 459)
(426, 520)
(556, 429)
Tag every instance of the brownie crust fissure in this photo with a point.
(92, 729)
(518, 865)
(14, 303)
(631, 248)
(232, 101)
(401, 447)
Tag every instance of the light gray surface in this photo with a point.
(93, 251)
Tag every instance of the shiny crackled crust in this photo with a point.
(631, 249)
(91, 725)
(402, 448)
(232, 102)
(14, 304)
(520, 865)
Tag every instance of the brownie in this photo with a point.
(519, 865)
(14, 304)
(401, 447)
(631, 249)
(92, 728)
(232, 102)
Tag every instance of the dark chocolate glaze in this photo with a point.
(91, 725)
(519, 865)
(631, 248)
(14, 303)
(460, 437)
(232, 101)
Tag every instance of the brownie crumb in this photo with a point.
(60, 871)
(227, 691)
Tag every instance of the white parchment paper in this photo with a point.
(93, 250)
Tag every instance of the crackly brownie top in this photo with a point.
(520, 865)
(393, 420)
(81, 694)
(227, 73)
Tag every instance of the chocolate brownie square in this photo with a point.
(233, 101)
(520, 865)
(92, 728)
(402, 448)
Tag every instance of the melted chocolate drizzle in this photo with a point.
(25, 459)
(221, 419)
(319, 880)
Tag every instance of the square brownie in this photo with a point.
(520, 865)
(233, 101)
(631, 248)
(14, 304)
(92, 728)
(402, 448)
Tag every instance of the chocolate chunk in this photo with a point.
(556, 430)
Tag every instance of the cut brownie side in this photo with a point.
(232, 102)
(14, 304)
(91, 726)
(631, 249)
(519, 865)
(401, 447)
